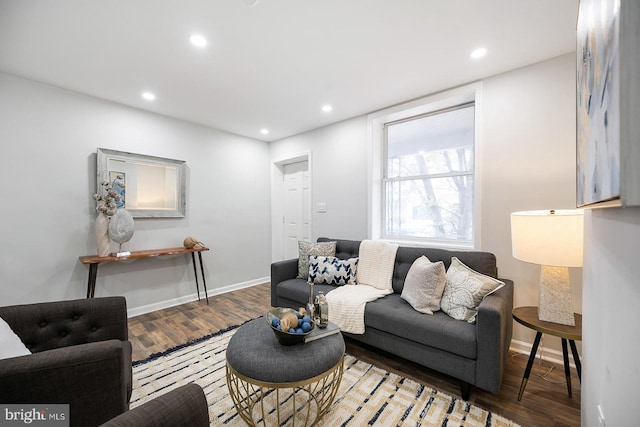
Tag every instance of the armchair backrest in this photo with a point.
(49, 325)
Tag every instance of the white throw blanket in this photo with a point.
(375, 271)
(375, 265)
(346, 305)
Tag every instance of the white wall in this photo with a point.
(49, 138)
(338, 164)
(528, 163)
(526, 158)
(611, 301)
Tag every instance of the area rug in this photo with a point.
(367, 395)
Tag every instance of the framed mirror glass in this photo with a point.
(150, 187)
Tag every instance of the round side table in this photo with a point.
(271, 383)
(528, 316)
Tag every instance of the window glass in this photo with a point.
(429, 176)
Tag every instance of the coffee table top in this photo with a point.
(254, 351)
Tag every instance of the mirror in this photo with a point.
(151, 187)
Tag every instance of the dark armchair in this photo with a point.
(184, 406)
(80, 355)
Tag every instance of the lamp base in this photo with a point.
(554, 303)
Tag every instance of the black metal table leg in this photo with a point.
(91, 284)
(532, 357)
(567, 369)
(204, 281)
(195, 273)
(576, 359)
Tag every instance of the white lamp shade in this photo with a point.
(551, 238)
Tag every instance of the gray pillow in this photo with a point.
(424, 285)
(464, 291)
(306, 249)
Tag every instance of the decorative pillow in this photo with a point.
(332, 270)
(424, 285)
(305, 249)
(10, 343)
(464, 290)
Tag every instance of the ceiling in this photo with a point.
(275, 63)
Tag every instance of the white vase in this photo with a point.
(102, 234)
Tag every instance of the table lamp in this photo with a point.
(552, 239)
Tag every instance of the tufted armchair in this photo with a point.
(185, 406)
(80, 355)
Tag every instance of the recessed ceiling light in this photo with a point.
(198, 40)
(148, 96)
(479, 53)
(327, 108)
(264, 131)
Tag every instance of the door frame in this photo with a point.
(277, 202)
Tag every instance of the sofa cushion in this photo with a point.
(345, 249)
(298, 290)
(424, 285)
(305, 249)
(394, 315)
(332, 270)
(464, 290)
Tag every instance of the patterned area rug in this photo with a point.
(367, 395)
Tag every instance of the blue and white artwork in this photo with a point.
(118, 184)
(598, 103)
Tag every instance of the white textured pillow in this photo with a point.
(464, 290)
(424, 285)
(10, 343)
(305, 249)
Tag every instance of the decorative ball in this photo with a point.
(289, 321)
(190, 242)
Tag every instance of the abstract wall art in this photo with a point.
(608, 103)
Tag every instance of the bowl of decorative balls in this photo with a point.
(290, 326)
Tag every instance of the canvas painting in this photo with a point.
(117, 180)
(598, 102)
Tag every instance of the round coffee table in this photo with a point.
(271, 383)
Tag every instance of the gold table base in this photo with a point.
(301, 403)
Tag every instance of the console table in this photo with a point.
(94, 261)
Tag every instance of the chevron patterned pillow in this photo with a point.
(332, 271)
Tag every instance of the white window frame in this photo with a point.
(376, 159)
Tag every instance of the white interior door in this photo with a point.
(297, 207)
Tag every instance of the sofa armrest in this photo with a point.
(45, 326)
(281, 271)
(494, 328)
(185, 406)
(91, 378)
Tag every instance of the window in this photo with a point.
(426, 180)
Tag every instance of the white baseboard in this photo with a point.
(544, 353)
(137, 311)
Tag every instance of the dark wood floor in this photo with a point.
(545, 401)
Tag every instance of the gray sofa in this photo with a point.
(475, 353)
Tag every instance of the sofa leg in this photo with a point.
(465, 390)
